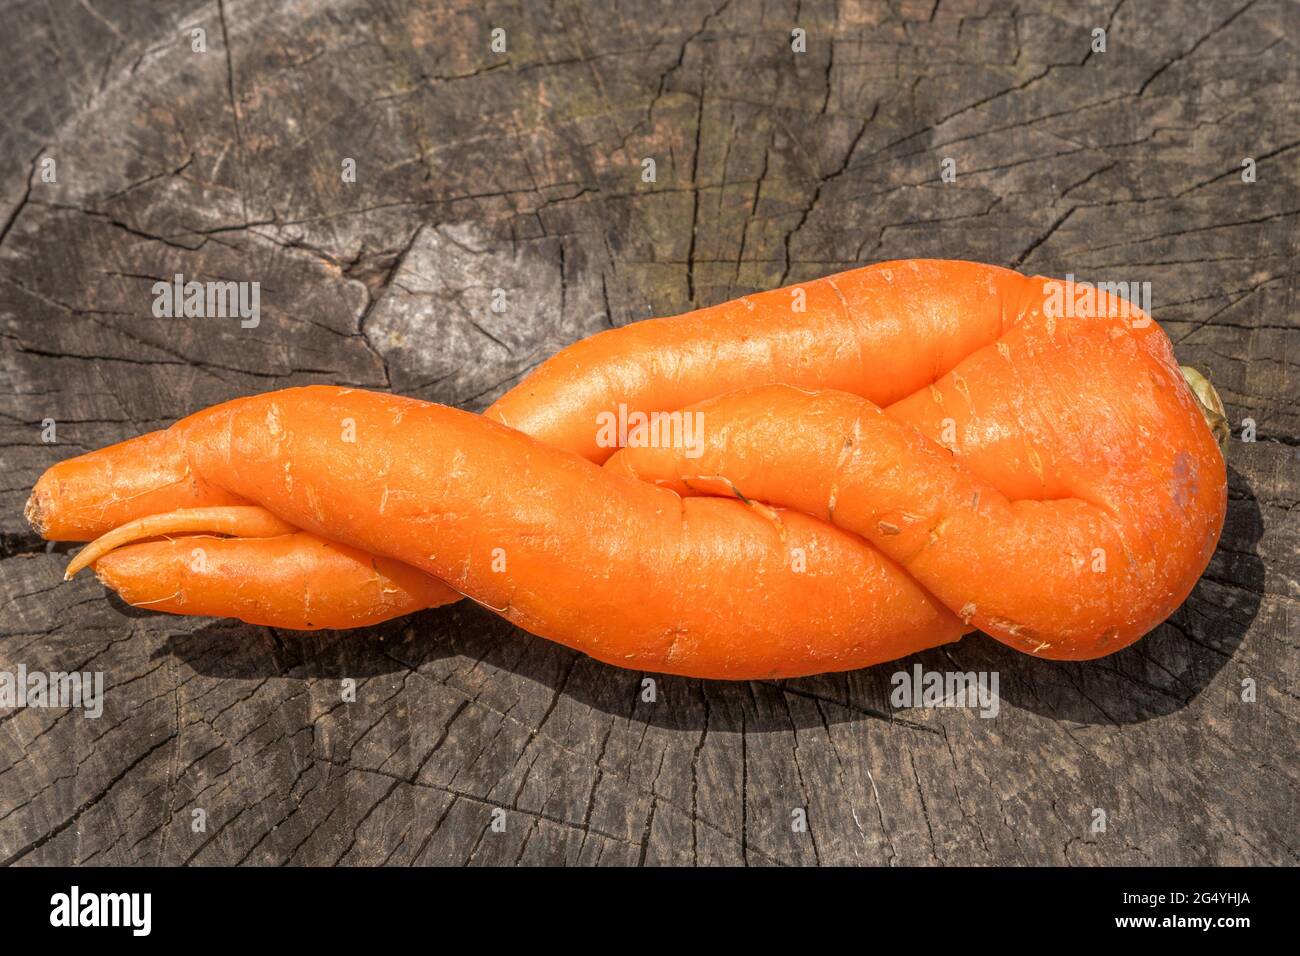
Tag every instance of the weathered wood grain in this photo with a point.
(522, 171)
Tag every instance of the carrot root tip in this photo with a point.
(34, 513)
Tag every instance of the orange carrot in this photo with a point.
(972, 458)
(295, 581)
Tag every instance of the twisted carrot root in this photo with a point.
(850, 470)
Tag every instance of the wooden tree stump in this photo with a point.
(130, 156)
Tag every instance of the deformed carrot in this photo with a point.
(970, 457)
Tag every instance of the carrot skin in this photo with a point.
(81, 498)
(293, 581)
(881, 332)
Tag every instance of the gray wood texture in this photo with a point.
(522, 171)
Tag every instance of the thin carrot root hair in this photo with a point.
(237, 521)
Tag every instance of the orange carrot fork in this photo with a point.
(144, 488)
(266, 571)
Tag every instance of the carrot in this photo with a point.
(295, 581)
(969, 458)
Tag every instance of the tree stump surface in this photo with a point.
(522, 171)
